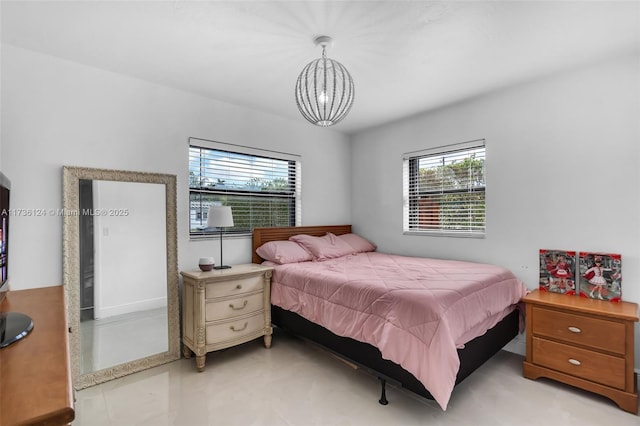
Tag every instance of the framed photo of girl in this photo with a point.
(600, 276)
(558, 271)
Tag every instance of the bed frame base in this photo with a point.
(383, 397)
(365, 356)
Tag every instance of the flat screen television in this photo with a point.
(13, 325)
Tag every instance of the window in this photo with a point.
(261, 187)
(444, 190)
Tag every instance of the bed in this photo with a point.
(385, 327)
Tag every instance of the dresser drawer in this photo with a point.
(596, 333)
(221, 309)
(230, 330)
(596, 367)
(234, 286)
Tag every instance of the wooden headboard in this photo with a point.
(263, 235)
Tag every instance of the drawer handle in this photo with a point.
(239, 329)
(574, 329)
(239, 287)
(240, 308)
(574, 361)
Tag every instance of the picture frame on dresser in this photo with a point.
(558, 271)
(600, 276)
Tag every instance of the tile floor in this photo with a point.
(295, 383)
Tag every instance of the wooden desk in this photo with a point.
(35, 372)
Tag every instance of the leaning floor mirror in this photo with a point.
(120, 270)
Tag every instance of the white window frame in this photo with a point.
(295, 195)
(412, 192)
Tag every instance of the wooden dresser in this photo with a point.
(583, 342)
(35, 373)
(225, 307)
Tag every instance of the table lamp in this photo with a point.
(220, 217)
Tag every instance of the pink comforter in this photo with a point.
(416, 311)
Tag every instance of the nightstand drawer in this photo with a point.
(234, 286)
(596, 367)
(231, 330)
(221, 309)
(593, 332)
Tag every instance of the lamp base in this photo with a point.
(222, 267)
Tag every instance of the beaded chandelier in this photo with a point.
(324, 90)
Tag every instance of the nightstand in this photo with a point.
(582, 342)
(225, 307)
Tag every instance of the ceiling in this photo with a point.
(405, 57)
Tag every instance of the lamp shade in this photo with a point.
(219, 217)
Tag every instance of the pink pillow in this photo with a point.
(282, 252)
(323, 248)
(359, 244)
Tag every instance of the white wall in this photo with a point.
(56, 112)
(562, 172)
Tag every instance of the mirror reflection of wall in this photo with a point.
(123, 282)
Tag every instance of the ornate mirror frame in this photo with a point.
(71, 270)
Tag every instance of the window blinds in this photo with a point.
(261, 191)
(445, 190)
